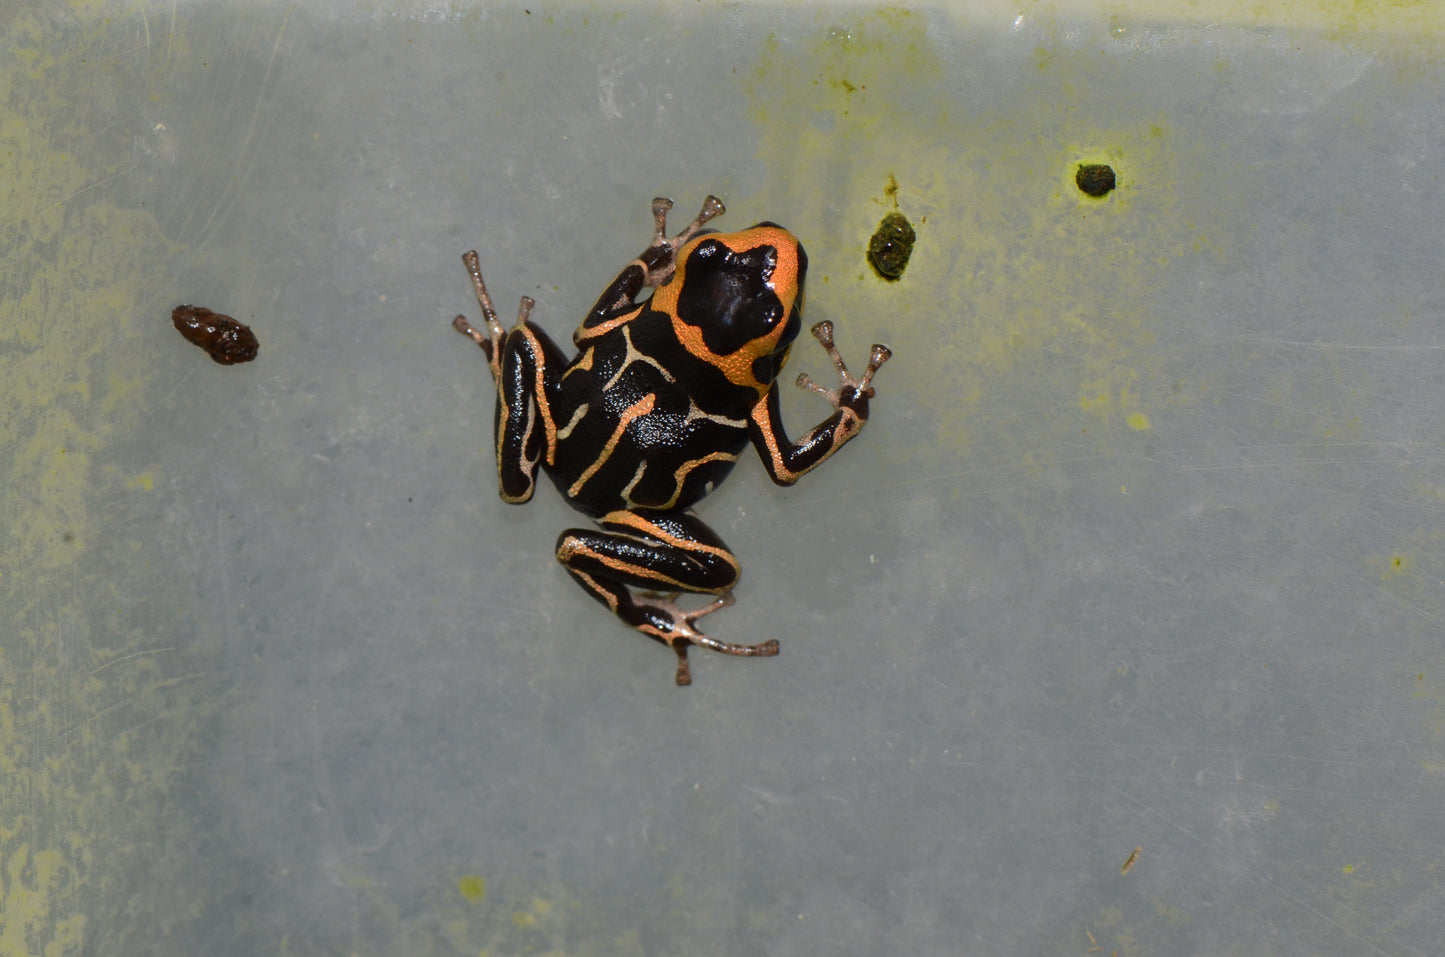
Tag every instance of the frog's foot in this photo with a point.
(712, 208)
(490, 341)
(660, 258)
(674, 627)
(788, 461)
(850, 390)
(642, 561)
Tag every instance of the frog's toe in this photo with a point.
(684, 671)
(660, 206)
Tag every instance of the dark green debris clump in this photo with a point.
(891, 245)
(1095, 179)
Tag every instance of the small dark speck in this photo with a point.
(1095, 179)
(68, 537)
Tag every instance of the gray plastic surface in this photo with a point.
(1142, 548)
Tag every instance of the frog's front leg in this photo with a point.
(527, 366)
(654, 267)
(669, 552)
(788, 461)
(491, 342)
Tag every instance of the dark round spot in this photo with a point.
(891, 245)
(68, 537)
(1095, 179)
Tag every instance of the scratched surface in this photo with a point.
(1118, 631)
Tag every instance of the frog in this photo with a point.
(662, 398)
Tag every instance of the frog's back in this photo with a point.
(645, 425)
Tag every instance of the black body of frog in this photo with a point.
(657, 408)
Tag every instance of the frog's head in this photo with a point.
(737, 301)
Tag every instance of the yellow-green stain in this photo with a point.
(514, 919)
(97, 716)
(1412, 26)
(472, 887)
(1396, 566)
(1348, 869)
(1022, 294)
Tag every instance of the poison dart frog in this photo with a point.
(654, 412)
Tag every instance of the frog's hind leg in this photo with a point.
(670, 552)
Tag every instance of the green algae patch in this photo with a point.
(472, 887)
(97, 715)
(1029, 293)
